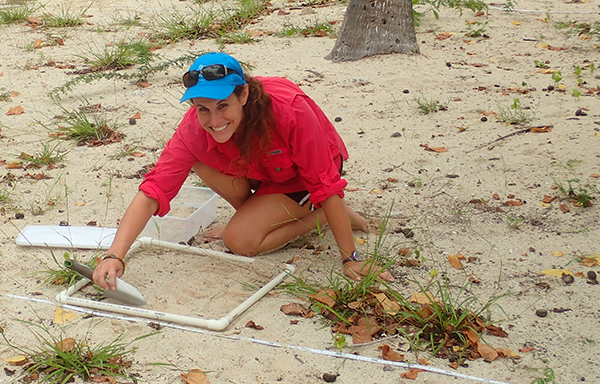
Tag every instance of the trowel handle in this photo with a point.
(80, 268)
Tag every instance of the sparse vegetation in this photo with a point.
(87, 126)
(49, 155)
(60, 359)
(571, 186)
(17, 13)
(119, 56)
(319, 29)
(514, 114)
(426, 106)
(66, 17)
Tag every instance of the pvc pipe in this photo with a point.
(342, 355)
(211, 324)
(150, 242)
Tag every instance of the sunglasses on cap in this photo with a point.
(210, 72)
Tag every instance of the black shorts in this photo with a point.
(303, 197)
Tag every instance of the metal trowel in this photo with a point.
(125, 293)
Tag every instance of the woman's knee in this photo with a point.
(240, 243)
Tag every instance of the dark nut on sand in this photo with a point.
(541, 312)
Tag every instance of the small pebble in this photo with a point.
(541, 312)
(63, 223)
(449, 64)
(19, 216)
(484, 119)
(580, 112)
(405, 91)
(132, 122)
(551, 87)
(338, 119)
(329, 377)
(592, 275)
(396, 134)
(567, 279)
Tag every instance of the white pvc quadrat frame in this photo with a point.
(210, 324)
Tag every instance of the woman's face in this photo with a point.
(221, 118)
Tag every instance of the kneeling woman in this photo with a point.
(266, 148)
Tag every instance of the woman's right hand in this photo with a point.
(356, 270)
(112, 268)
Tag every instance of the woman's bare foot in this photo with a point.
(214, 234)
(356, 220)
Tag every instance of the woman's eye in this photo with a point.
(222, 106)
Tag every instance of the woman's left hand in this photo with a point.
(356, 270)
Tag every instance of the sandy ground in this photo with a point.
(389, 170)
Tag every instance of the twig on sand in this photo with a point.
(543, 128)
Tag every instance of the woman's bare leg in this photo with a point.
(265, 223)
(235, 190)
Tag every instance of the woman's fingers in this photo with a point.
(110, 268)
(357, 270)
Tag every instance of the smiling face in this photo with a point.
(221, 118)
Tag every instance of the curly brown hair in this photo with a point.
(254, 139)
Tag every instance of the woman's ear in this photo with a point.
(244, 95)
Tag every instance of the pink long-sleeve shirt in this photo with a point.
(304, 154)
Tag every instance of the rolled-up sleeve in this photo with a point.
(312, 152)
(164, 181)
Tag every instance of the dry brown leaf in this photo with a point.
(388, 354)
(548, 199)
(434, 149)
(460, 256)
(350, 189)
(423, 298)
(389, 306)
(557, 254)
(594, 176)
(412, 374)
(66, 345)
(423, 361)
(80, 203)
(38, 44)
(34, 20)
(490, 113)
(252, 324)
(376, 191)
(17, 360)
(462, 129)
(443, 36)
(326, 297)
(525, 350)
(513, 203)
(404, 251)
(364, 330)
(541, 129)
(61, 316)
(565, 208)
(472, 336)
(505, 352)
(137, 154)
(136, 116)
(455, 262)
(496, 331)
(195, 376)
(295, 309)
(18, 110)
(488, 353)
(143, 84)
(557, 48)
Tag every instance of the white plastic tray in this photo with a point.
(66, 237)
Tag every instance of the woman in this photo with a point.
(266, 148)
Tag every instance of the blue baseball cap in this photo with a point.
(218, 89)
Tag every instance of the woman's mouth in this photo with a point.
(220, 129)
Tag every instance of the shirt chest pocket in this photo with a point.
(280, 166)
